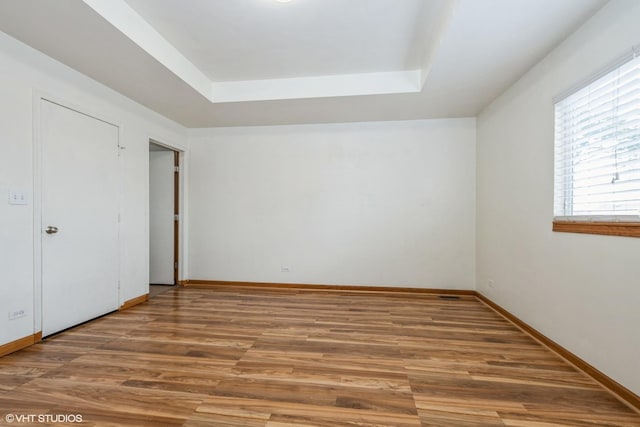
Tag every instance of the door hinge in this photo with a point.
(176, 217)
(176, 168)
(175, 265)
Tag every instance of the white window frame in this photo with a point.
(627, 224)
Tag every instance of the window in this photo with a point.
(597, 155)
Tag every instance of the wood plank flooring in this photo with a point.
(279, 358)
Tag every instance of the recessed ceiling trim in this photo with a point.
(119, 14)
(435, 36)
(318, 86)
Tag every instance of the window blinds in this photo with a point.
(597, 148)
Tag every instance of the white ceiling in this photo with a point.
(207, 63)
(265, 39)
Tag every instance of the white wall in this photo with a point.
(582, 291)
(16, 229)
(23, 73)
(386, 203)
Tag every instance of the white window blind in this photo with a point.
(597, 149)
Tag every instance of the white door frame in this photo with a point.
(182, 201)
(38, 97)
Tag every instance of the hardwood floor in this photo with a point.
(279, 358)
(155, 290)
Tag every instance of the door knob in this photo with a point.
(51, 230)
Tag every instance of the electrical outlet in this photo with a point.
(284, 269)
(16, 314)
(491, 283)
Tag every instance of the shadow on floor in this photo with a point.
(159, 289)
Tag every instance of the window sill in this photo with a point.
(627, 229)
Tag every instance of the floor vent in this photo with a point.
(449, 297)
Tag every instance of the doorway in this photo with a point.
(164, 215)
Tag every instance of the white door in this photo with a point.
(79, 217)
(161, 217)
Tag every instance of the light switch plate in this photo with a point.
(17, 197)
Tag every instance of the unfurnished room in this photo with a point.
(283, 213)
